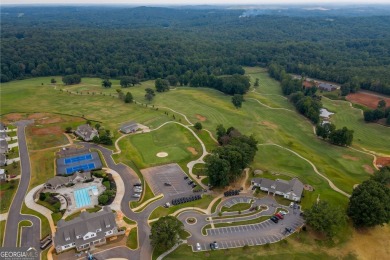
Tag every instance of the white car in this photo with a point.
(137, 195)
(137, 190)
(198, 247)
(283, 213)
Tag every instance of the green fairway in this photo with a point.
(370, 136)
(172, 138)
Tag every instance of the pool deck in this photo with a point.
(69, 202)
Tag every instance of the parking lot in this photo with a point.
(167, 179)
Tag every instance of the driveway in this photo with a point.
(14, 216)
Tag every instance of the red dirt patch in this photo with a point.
(192, 150)
(37, 116)
(56, 130)
(349, 157)
(367, 99)
(382, 161)
(368, 169)
(12, 117)
(201, 118)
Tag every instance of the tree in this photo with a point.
(68, 129)
(128, 81)
(221, 131)
(198, 126)
(325, 218)
(53, 81)
(382, 176)
(128, 98)
(172, 79)
(237, 100)
(341, 137)
(71, 79)
(103, 199)
(256, 82)
(369, 204)
(161, 85)
(149, 94)
(217, 170)
(381, 104)
(165, 233)
(97, 126)
(106, 83)
(388, 120)
(345, 89)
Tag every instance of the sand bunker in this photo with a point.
(201, 118)
(162, 154)
(192, 150)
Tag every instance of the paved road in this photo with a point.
(14, 216)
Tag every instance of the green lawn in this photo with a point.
(132, 239)
(215, 205)
(13, 168)
(202, 203)
(129, 221)
(2, 229)
(370, 136)
(171, 138)
(7, 191)
(237, 207)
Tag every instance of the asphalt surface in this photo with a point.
(14, 217)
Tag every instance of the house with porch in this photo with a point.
(86, 132)
(62, 181)
(291, 190)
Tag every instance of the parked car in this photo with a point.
(185, 177)
(137, 195)
(216, 245)
(283, 213)
(292, 204)
(167, 205)
(46, 244)
(274, 219)
(198, 247)
(289, 230)
(212, 247)
(167, 184)
(279, 216)
(137, 184)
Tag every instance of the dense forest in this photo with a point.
(193, 45)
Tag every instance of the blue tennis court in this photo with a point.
(85, 167)
(82, 197)
(78, 158)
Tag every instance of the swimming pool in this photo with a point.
(76, 168)
(78, 158)
(82, 198)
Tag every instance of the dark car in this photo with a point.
(274, 219)
(194, 185)
(185, 177)
(212, 246)
(167, 184)
(190, 182)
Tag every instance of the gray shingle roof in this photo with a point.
(129, 127)
(86, 222)
(2, 126)
(294, 185)
(86, 132)
(60, 180)
(327, 86)
(3, 159)
(3, 146)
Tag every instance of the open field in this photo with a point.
(7, 192)
(369, 136)
(2, 228)
(368, 99)
(171, 138)
(42, 166)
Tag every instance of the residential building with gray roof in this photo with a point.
(86, 132)
(86, 231)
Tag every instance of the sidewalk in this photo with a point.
(30, 203)
(120, 189)
(3, 216)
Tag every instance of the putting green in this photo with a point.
(172, 139)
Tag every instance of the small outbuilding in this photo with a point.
(129, 127)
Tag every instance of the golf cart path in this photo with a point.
(331, 184)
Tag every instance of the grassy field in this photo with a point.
(7, 191)
(132, 239)
(2, 229)
(370, 136)
(42, 166)
(202, 203)
(171, 138)
(237, 207)
(129, 221)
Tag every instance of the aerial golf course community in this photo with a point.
(159, 169)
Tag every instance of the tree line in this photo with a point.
(188, 43)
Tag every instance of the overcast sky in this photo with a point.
(193, 2)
